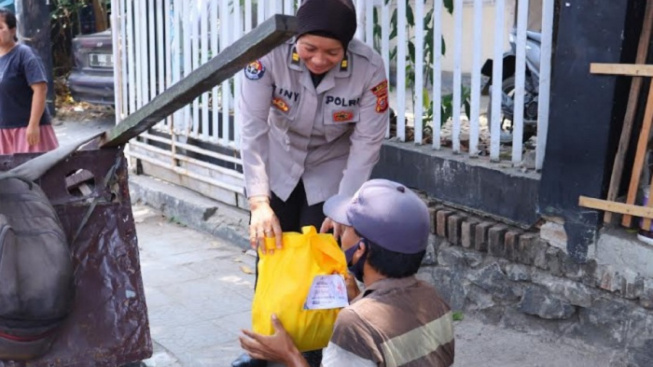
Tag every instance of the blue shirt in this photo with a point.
(19, 69)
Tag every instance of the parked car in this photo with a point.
(91, 79)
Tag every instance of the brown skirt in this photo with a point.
(15, 140)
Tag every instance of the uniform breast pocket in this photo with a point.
(339, 121)
(282, 114)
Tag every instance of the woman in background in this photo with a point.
(24, 123)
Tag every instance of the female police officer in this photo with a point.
(314, 114)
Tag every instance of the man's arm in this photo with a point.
(352, 343)
(277, 348)
(334, 355)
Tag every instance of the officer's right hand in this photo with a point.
(264, 223)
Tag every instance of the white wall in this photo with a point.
(488, 25)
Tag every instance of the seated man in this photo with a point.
(397, 320)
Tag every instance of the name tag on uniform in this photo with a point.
(280, 104)
(343, 116)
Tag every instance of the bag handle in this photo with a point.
(321, 244)
(325, 244)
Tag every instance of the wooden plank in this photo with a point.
(253, 45)
(622, 69)
(631, 109)
(640, 155)
(615, 207)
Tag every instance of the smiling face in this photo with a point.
(7, 35)
(320, 54)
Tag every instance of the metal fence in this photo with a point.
(158, 42)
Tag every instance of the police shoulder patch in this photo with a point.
(381, 93)
(255, 70)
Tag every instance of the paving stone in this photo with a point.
(481, 237)
(538, 254)
(430, 257)
(473, 258)
(468, 233)
(553, 257)
(454, 223)
(442, 223)
(184, 341)
(632, 285)
(646, 298)
(576, 293)
(451, 256)
(610, 280)
(571, 269)
(589, 271)
(480, 298)
(496, 240)
(518, 273)
(493, 280)
(525, 247)
(449, 282)
(512, 244)
(538, 302)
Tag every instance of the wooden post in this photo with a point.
(615, 207)
(636, 85)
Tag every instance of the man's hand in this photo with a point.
(352, 287)
(276, 348)
(264, 223)
(329, 224)
(33, 134)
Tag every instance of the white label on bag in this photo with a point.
(327, 291)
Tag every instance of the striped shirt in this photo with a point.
(394, 323)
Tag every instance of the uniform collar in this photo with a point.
(340, 71)
(388, 284)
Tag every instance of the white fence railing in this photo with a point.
(158, 42)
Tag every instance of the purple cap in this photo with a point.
(386, 213)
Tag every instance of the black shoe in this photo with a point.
(246, 361)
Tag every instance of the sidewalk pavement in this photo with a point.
(199, 289)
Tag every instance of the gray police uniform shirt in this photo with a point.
(330, 136)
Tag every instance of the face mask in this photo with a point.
(356, 269)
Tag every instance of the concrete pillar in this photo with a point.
(586, 110)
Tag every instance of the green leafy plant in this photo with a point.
(458, 316)
(446, 104)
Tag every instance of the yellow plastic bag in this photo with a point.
(284, 280)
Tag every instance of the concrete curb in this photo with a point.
(191, 209)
